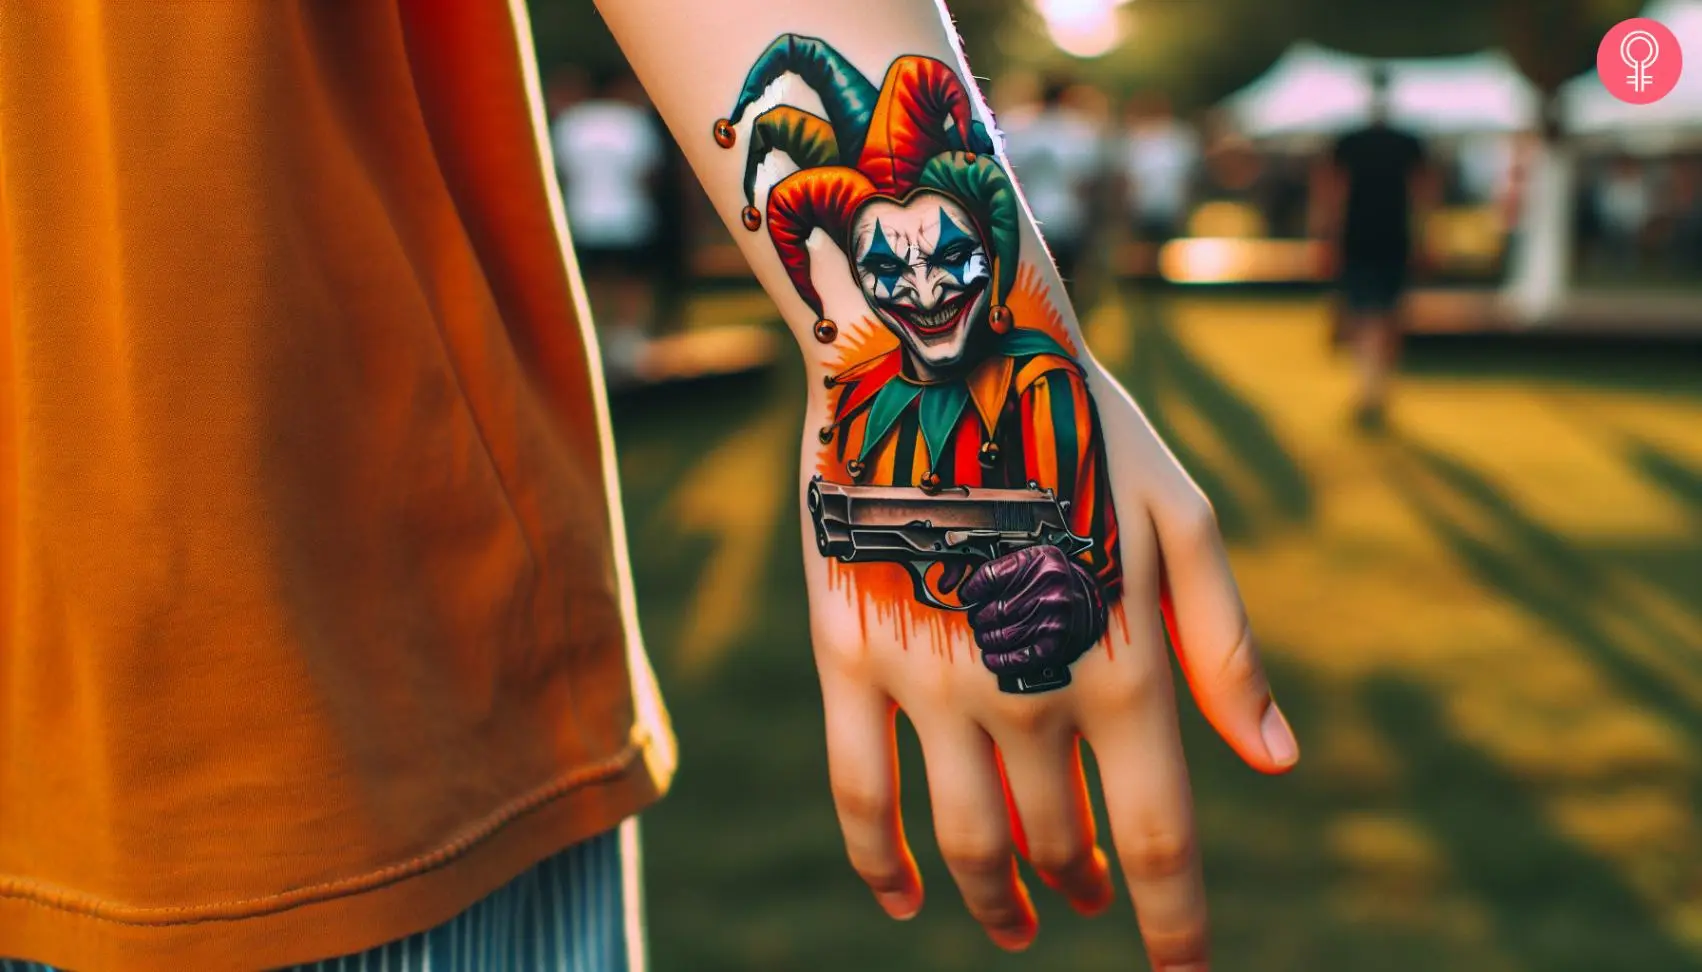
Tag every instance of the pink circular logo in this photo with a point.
(1639, 61)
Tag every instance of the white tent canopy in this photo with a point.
(1312, 90)
(1586, 108)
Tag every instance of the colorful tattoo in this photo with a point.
(963, 433)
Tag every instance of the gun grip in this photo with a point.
(1035, 682)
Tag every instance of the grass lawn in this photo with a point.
(1486, 627)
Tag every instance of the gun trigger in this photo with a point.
(918, 571)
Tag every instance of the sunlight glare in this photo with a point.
(1082, 28)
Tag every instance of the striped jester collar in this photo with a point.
(940, 405)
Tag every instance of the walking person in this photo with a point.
(610, 154)
(1161, 158)
(1057, 153)
(1372, 194)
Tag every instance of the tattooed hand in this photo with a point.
(1034, 608)
(954, 417)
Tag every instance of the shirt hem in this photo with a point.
(77, 931)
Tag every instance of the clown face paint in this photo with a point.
(923, 269)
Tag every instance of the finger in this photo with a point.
(1011, 662)
(1005, 612)
(994, 575)
(1054, 818)
(974, 831)
(1018, 634)
(1145, 781)
(862, 761)
(952, 575)
(1213, 638)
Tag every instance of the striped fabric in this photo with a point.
(578, 911)
(1024, 419)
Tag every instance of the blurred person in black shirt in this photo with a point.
(1368, 191)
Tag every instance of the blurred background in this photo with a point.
(1485, 621)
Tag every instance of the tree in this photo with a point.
(1554, 42)
(1551, 42)
(572, 32)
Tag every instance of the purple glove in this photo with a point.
(1034, 608)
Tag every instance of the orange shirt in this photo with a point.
(315, 621)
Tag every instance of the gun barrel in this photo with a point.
(900, 523)
(830, 508)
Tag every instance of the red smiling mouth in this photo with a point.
(942, 318)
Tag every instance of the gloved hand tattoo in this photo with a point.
(1033, 609)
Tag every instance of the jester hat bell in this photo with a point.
(916, 132)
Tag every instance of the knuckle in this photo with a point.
(1002, 915)
(880, 875)
(1024, 720)
(1194, 519)
(1027, 716)
(1179, 944)
(978, 859)
(843, 657)
(861, 805)
(1060, 859)
(1242, 668)
(1139, 678)
(1158, 855)
(930, 689)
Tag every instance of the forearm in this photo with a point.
(1426, 192)
(694, 71)
(1325, 201)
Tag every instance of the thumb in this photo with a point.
(1213, 639)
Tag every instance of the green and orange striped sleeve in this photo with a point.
(1064, 453)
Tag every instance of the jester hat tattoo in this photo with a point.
(902, 179)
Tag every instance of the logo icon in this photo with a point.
(1639, 61)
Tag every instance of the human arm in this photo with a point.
(1326, 195)
(1425, 187)
(895, 311)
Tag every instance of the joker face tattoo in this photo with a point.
(924, 270)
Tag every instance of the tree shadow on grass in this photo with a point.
(1667, 471)
(1165, 370)
(1667, 368)
(1540, 571)
(1556, 907)
(1675, 567)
